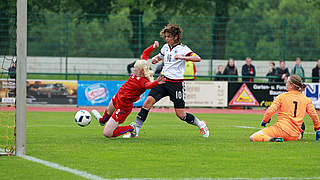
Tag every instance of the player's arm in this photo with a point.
(150, 85)
(315, 119)
(146, 53)
(271, 110)
(156, 59)
(189, 57)
(313, 115)
(159, 57)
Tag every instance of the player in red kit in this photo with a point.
(122, 103)
(145, 55)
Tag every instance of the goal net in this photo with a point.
(7, 76)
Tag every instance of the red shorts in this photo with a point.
(121, 112)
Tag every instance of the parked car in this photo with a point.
(50, 90)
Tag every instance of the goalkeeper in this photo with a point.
(122, 103)
(291, 107)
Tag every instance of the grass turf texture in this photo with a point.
(166, 148)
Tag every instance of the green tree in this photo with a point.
(248, 26)
(7, 27)
(273, 30)
(221, 20)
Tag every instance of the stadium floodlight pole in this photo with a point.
(21, 45)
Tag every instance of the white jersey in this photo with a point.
(174, 68)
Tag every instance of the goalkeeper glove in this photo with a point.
(317, 135)
(264, 123)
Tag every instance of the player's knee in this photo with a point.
(181, 115)
(149, 102)
(255, 136)
(107, 133)
(252, 137)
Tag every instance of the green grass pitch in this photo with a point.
(167, 148)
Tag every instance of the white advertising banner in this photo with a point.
(202, 94)
(312, 92)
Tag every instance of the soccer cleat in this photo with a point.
(276, 139)
(131, 134)
(133, 125)
(204, 129)
(127, 135)
(98, 116)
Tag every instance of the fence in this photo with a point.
(121, 36)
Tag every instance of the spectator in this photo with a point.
(12, 71)
(316, 72)
(298, 69)
(282, 72)
(218, 77)
(230, 69)
(248, 70)
(272, 72)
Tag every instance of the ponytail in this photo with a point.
(296, 81)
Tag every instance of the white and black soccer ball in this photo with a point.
(83, 118)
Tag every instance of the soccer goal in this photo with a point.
(13, 35)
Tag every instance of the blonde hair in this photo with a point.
(144, 65)
(297, 83)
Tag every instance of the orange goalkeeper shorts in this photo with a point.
(275, 131)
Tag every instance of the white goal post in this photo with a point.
(21, 51)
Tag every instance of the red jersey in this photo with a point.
(132, 89)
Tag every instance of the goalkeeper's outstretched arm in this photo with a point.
(271, 110)
(315, 119)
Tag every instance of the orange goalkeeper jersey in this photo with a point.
(292, 107)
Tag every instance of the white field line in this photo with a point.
(46, 125)
(62, 168)
(95, 177)
(246, 127)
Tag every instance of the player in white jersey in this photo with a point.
(174, 68)
(174, 56)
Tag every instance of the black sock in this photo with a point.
(303, 127)
(189, 118)
(142, 115)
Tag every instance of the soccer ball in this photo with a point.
(83, 118)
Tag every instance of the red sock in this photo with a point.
(121, 130)
(105, 118)
(146, 53)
